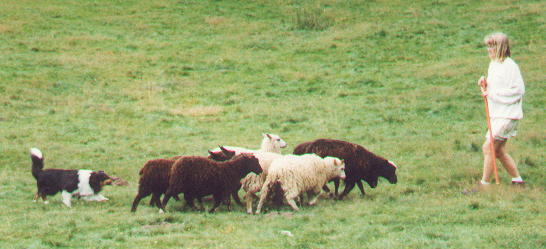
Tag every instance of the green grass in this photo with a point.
(111, 84)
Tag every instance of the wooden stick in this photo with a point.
(491, 141)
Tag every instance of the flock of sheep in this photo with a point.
(277, 177)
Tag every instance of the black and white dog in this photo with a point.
(84, 183)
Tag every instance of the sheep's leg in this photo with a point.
(359, 184)
(349, 185)
(136, 201)
(228, 202)
(189, 201)
(201, 206)
(166, 199)
(313, 200)
(44, 198)
(235, 195)
(217, 202)
(36, 196)
(336, 186)
(153, 200)
(263, 196)
(249, 198)
(290, 199)
(327, 190)
(313, 196)
(157, 199)
(292, 204)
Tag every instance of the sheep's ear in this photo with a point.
(210, 152)
(267, 135)
(224, 149)
(392, 164)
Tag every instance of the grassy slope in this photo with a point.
(111, 84)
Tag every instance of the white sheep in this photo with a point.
(270, 143)
(299, 174)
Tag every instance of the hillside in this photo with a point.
(111, 84)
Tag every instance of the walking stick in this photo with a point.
(491, 140)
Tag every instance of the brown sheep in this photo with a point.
(360, 164)
(154, 179)
(197, 176)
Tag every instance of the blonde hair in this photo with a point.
(500, 43)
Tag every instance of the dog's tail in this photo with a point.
(37, 162)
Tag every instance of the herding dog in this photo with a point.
(84, 183)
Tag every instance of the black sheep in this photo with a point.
(154, 179)
(197, 176)
(360, 164)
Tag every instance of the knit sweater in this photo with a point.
(505, 89)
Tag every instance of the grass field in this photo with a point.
(111, 84)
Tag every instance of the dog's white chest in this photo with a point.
(84, 188)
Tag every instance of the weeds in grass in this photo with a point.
(313, 18)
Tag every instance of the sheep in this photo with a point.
(154, 179)
(197, 176)
(299, 174)
(360, 164)
(270, 143)
(253, 183)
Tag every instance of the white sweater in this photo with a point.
(505, 89)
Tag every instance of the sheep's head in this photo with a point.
(338, 167)
(222, 155)
(389, 172)
(272, 143)
(252, 163)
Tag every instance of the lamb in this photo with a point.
(197, 176)
(270, 143)
(154, 179)
(253, 183)
(360, 164)
(299, 174)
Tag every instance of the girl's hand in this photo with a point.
(482, 82)
(483, 85)
(484, 91)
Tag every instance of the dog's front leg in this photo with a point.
(66, 198)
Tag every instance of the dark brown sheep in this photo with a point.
(360, 164)
(199, 176)
(222, 155)
(154, 178)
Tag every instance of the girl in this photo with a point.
(504, 90)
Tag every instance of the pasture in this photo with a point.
(111, 84)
